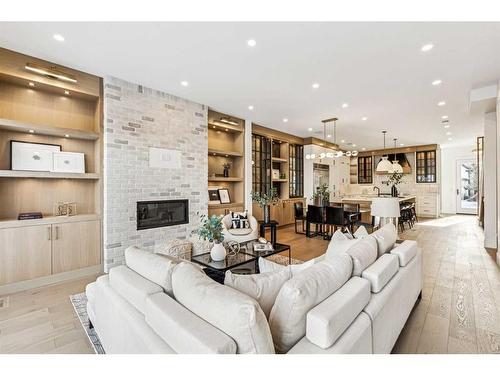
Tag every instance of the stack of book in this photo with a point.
(29, 215)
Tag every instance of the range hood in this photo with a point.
(402, 160)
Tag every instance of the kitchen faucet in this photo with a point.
(378, 190)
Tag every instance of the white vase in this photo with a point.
(218, 252)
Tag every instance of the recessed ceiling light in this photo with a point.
(66, 92)
(31, 131)
(310, 129)
(285, 120)
(444, 117)
(185, 83)
(315, 85)
(448, 133)
(363, 149)
(401, 144)
(342, 141)
(364, 118)
(66, 135)
(250, 107)
(427, 47)
(450, 139)
(353, 145)
(441, 103)
(58, 37)
(345, 105)
(436, 82)
(251, 42)
(31, 84)
(446, 126)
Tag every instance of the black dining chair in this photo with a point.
(315, 215)
(335, 217)
(298, 208)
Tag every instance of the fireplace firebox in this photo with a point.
(155, 214)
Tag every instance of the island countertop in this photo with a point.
(368, 198)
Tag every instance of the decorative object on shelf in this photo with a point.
(283, 176)
(211, 230)
(394, 180)
(65, 209)
(69, 162)
(328, 152)
(384, 165)
(224, 196)
(233, 247)
(71, 210)
(29, 215)
(227, 167)
(321, 196)
(395, 166)
(30, 156)
(276, 174)
(264, 200)
(213, 194)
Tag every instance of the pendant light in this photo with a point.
(395, 167)
(384, 165)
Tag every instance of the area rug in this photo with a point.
(79, 302)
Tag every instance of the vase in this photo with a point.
(394, 191)
(218, 252)
(226, 172)
(267, 214)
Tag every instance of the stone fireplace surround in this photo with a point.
(137, 118)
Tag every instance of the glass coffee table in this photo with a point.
(246, 255)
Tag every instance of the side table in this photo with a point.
(272, 225)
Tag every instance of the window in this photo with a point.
(426, 166)
(261, 164)
(296, 162)
(365, 170)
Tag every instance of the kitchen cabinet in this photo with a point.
(283, 211)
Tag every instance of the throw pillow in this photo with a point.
(239, 220)
(386, 238)
(263, 287)
(339, 236)
(361, 232)
(270, 266)
(363, 252)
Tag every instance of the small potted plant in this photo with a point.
(265, 200)
(394, 180)
(211, 231)
(322, 196)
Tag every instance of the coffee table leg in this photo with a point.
(290, 255)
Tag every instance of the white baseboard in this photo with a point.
(47, 280)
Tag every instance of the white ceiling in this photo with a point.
(378, 68)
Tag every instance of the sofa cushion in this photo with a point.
(240, 231)
(380, 272)
(263, 287)
(266, 265)
(233, 312)
(132, 286)
(405, 251)
(327, 321)
(185, 332)
(300, 294)
(386, 238)
(362, 251)
(154, 267)
(361, 232)
(90, 292)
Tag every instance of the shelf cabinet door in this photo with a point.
(76, 245)
(288, 212)
(24, 253)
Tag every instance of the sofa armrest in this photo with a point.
(327, 321)
(380, 272)
(405, 251)
(184, 331)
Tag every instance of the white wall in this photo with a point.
(498, 185)
(248, 166)
(490, 180)
(449, 157)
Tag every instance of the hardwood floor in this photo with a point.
(459, 311)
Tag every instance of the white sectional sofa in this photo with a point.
(355, 300)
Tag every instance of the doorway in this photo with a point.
(467, 186)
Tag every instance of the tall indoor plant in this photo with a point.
(265, 200)
(211, 231)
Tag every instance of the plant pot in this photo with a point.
(394, 191)
(218, 252)
(267, 214)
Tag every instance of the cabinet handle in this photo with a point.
(49, 232)
(57, 233)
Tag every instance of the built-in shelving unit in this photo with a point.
(226, 145)
(36, 108)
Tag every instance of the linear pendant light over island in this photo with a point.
(327, 151)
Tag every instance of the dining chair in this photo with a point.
(335, 217)
(315, 215)
(298, 208)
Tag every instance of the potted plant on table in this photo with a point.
(265, 200)
(322, 196)
(394, 180)
(211, 231)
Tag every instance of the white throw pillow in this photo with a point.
(361, 232)
(338, 235)
(386, 238)
(270, 266)
(263, 287)
(300, 294)
(362, 251)
(233, 312)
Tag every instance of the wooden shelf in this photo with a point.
(229, 128)
(23, 127)
(224, 153)
(225, 179)
(279, 160)
(225, 205)
(280, 180)
(48, 220)
(38, 174)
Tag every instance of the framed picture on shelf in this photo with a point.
(30, 156)
(213, 195)
(276, 174)
(224, 196)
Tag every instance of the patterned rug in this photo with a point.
(79, 302)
